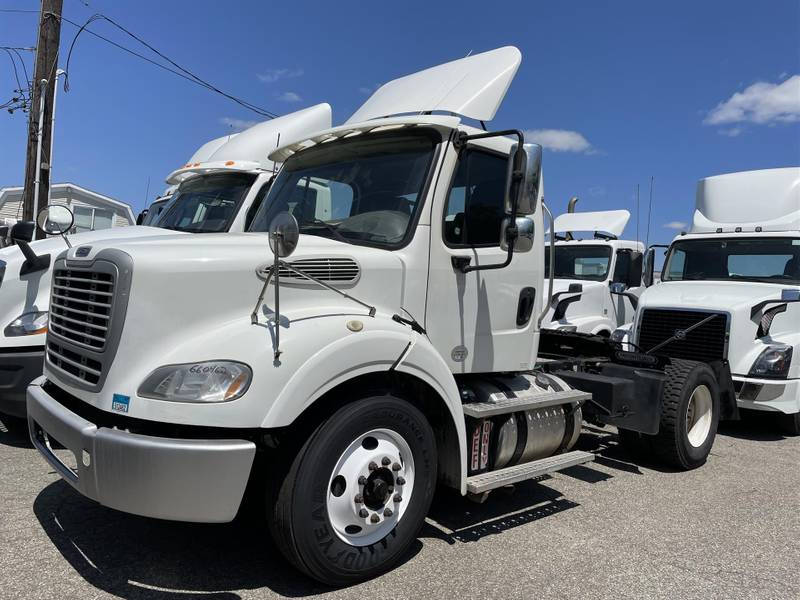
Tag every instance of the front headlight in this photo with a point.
(773, 362)
(30, 323)
(211, 381)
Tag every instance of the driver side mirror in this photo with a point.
(22, 231)
(525, 234)
(649, 265)
(142, 215)
(529, 170)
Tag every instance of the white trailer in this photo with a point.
(218, 190)
(730, 287)
(396, 347)
(597, 281)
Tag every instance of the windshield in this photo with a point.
(155, 210)
(363, 191)
(208, 203)
(579, 262)
(769, 260)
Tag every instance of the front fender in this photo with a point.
(338, 358)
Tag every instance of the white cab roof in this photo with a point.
(606, 221)
(203, 153)
(250, 149)
(472, 87)
(768, 198)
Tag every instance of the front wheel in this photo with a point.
(689, 415)
(355, 496)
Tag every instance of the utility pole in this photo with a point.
(45, 69)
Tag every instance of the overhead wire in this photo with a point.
(178, 70)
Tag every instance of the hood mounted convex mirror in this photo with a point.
(284, 234)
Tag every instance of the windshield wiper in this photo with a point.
(320, 223)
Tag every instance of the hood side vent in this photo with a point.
(330, 270)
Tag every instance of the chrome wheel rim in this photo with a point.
(370, 487)
(698, 415)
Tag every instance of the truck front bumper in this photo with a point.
(782, 395)
(165, 478)
(17, 370)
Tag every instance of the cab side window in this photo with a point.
(476, 203)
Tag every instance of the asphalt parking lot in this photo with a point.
(611, 529)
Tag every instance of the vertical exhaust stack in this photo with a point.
(571, 209)
(571, 204)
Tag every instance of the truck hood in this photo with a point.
(735, 298)
(172, 273)
(31, 292)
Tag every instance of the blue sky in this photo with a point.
(618, 91)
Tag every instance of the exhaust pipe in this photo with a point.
(571, 204)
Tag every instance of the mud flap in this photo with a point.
(728, 409)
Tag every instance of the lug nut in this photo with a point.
(374, 518)
(385, 461)
(372, 466)
(396, 467)
(363, 513)
(362, 480)
(388, 512)
(398, 498)
(359, 499)
(401, 481)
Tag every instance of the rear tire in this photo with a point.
(790, 424)
(689, 415)
(376, 455)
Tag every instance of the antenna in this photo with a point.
(650, 209)
(147, 193)
(637, 213)
(274, 164)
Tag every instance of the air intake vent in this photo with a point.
(80, 307)
(330, 270)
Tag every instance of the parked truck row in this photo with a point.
(400, 311)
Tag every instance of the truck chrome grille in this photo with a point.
(338, 270)
(706, 343)
(74, 363)
(88, 303)
(80, 307)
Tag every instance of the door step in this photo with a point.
(495, 479)
(504, 405)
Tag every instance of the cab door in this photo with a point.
(481, 321)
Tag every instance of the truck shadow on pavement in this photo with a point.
(754, 425)
(136, 557)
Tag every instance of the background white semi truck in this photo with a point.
(598, 280)
(218, 190)
(730, 287)
(397, 347)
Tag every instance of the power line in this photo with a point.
(181, 71)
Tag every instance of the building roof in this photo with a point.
(75, 190)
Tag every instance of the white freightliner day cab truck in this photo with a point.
(730, 289)
(597, 280)
(218, 190)
(399, 347)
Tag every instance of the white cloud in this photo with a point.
(675, 225)
(560, 140)
(273, 75)
(732, 132)
(237, 124)
(761, 103)
(289, 97)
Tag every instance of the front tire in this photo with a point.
(689, 415)
(357, 492)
